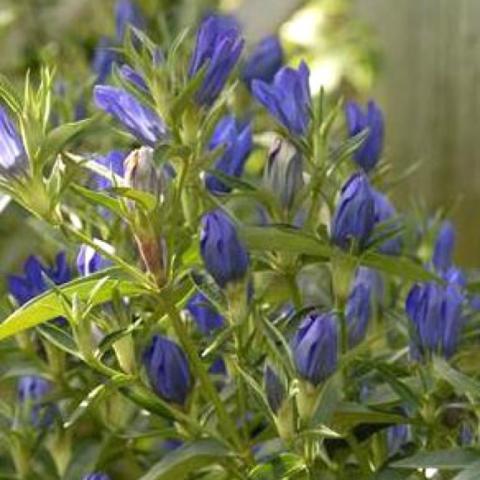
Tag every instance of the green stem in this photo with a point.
(208, 387)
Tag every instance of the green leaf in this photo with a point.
(399, 266)
(462, 384)
(284, 240)
(146, 199)
(328, 400)
(187, 459)
(49, 305)
(59, 137)
(9, 95)
(470, 473)
(100, 199)
(454, 459)
(98, 392)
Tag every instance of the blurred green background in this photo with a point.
(419, 59)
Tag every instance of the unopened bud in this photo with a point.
(140, 171)
(283, 175)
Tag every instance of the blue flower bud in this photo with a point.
(466, 436)
(90, 261)
(287, 98)
(455, 276)
(13, 158)
(139, 120)
(373, 280)
(444, 245)
(219, 44)
(315, 347)
(357, 313)
(132, 76)
(113, 161)
(218, 367)
(127, 13)
(397, 436)
(237, 143)
(96, 476)
(283, 173)
(204, 314)
(32, 283)
(369, 152)
(223, 253)
(31, 391)
(168, 371)
(385, 212)
(103, 59)
(264, 62)
(354, 216)
(436, 314)
(274, 388)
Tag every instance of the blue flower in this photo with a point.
(113, 161)
(283, 173)
(444, 245)
(274, 388)
(204, 314)
(32, 283)
(358, 312)
(237, 143)
(103, 59)
(368, 154)
(372, 279)
(354, 216)
(315, 347)
(436, 314)
(31, 392)
(264, 62)
(288, 98)
(168, 371)
(90, 261)
(96, 476)
(218, 367)
(219, 43)
(397, 436)
(127, 13)
(223, 253)
(132, 76)
(13, 158)
(385, 214)
(139, 120)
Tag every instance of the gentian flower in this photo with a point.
(358, 311)
(444, 245)
(113, 161)
(368, 154)
(90, 261)
(354, 216)
(223, 253)
(283, 173)
(127, 13)
(264, 62)
(397, 436)
(13, 158)
(132, 76)
(274, 388)
(287, 98)
(219, 43)
(96, 476)
(32, 284)
(103, 59)
(168, 371)
(204, 314)
(373, 280)
(237, 143)
(315, 347)
(436, 314)
(385, 212)
(141, 121)
(31, 391)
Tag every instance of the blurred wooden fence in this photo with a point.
(430, 90)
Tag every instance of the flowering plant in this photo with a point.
(204, 320)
